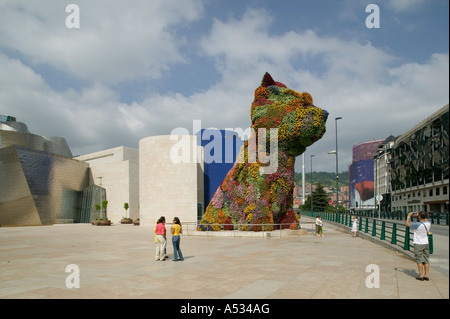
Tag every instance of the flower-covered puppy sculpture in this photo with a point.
(257, 191)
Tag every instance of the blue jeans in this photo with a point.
(177, 255)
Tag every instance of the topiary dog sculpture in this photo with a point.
(253, 193)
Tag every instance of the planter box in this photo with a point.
(136, 223)
(126, 221)
(103, 223)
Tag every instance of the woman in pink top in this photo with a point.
(160, 231)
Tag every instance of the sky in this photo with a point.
(139, 68)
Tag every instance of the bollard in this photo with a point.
(360, 224)
(406, 244)
(383, 230)
(366, 229)
(374, 228)
(394, 234)
(430, 242)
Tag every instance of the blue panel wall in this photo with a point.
(221, 148)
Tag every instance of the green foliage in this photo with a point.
(325, 178)
(319, 200)
(104, 205)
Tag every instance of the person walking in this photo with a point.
(317, 226)
(354, 225)
(320, 226)
(161, 243)
(176, 231)
(421, 245)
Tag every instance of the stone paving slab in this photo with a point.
(117, 262)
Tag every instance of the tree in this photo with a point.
(104, 205)
(126, 206)
(97, 208)
(320, 200)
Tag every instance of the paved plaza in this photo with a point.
(118, 262)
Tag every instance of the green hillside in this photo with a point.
(325, 178)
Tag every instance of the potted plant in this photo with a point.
(97, 209)
(126, 219)
(103, 221)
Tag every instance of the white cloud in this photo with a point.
(405, 5)
(374, 93)
(372, 90)
(116, 41)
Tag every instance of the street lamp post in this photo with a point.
(310, 191)
(335, 152)
(337, 166)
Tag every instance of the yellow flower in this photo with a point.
(249, 208)
(294, 93)
(273, 192)
(317, 116)
(282, 132)
(254, 169)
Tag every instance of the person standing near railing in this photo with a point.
(420, 241)
(320, 226)
(317, 226)
(354, 225)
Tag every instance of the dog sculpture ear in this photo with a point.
(267, 80)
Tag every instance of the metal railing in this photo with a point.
(390, 231)
(246, 230)
(439, 218)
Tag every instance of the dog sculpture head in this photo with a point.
(299, 122)
(254, 200)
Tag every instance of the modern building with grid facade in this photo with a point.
(419, 166)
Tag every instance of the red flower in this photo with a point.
(259, 101)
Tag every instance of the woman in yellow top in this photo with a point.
(176, 231)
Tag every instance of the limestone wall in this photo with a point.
(170, 178)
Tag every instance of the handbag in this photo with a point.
(430, 237)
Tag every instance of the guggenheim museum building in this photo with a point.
(42, 183)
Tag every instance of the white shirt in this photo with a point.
(421, 230)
